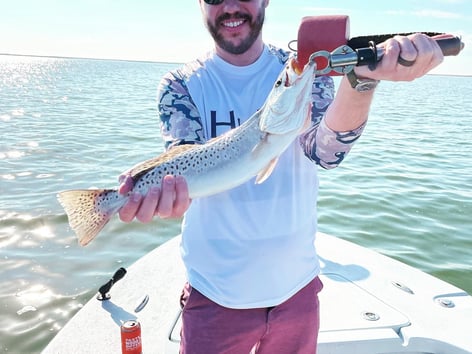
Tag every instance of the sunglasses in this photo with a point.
(218, 2)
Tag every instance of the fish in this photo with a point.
(227, 161)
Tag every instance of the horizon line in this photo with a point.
(152, 61)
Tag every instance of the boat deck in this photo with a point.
(370, 303)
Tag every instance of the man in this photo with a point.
(249, 253)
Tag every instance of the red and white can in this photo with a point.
(131, 337)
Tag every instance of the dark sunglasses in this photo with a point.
(217, 2)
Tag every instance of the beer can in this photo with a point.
(131, 337)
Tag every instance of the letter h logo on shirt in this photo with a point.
(214, 124)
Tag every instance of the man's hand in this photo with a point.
(170, 200)
(406, 58)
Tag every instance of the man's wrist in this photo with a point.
(361, 84)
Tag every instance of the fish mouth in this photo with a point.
(292, 74)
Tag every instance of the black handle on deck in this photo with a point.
(104, 290)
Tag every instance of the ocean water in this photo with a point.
(405, 189)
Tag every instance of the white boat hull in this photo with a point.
(369, 304)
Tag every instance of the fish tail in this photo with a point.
(88, 211)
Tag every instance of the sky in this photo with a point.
(173, 31)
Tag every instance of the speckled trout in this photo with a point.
(222, 163)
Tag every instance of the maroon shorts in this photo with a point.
(289, 328)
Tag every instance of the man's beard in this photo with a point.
(255, 30)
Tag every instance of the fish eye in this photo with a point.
(278, 83)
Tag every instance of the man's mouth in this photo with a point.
(233, 24)
(233, 21)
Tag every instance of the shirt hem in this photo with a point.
(257, 304)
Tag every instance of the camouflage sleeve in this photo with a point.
(179, 118)
(322, 145)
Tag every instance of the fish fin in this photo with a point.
(259, 145)
(266, 171)
(143, 167)
(86, 216)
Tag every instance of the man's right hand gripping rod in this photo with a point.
(325, 39)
